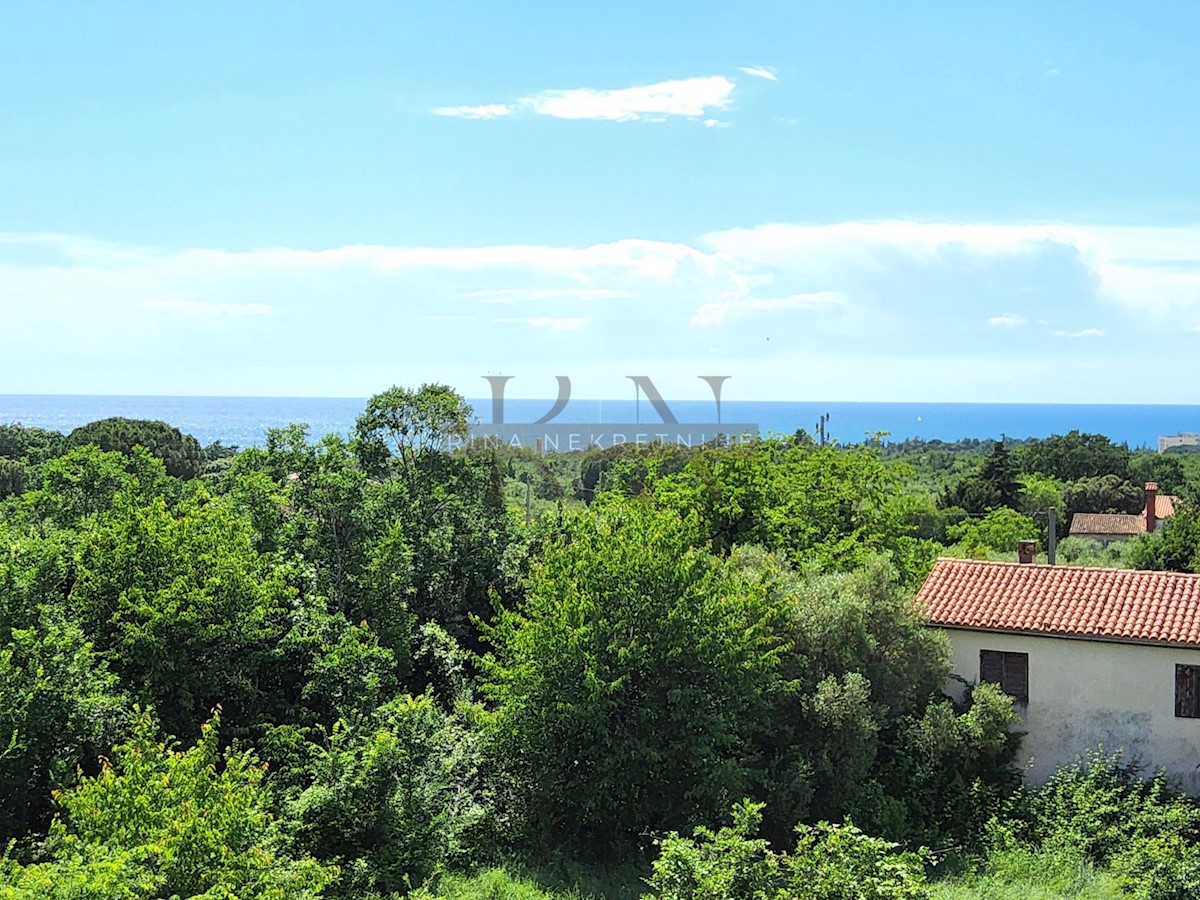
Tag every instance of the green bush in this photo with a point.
(160, 822)
(829, 862)
(628, 681)
(1104, 809)
(396, 798)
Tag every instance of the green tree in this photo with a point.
(995, 485)
(181, 453)
(396, 796)
(1074, 455)
(1103, 494)
(830, 507)
(859, 662)
(15, 477)
(405, 424)
(162, 822)
(81, 483)
(60, 708)
(1040, 493)
(1174, 548)
(32, 445)
(631, 670)
(188, 613)
(950, 771)
(996, 533)
(1167, 471)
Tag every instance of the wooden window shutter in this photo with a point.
(1009, 670)
(1187, 691)
(991, 666)
(1015, 681)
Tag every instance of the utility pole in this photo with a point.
(1051, 534)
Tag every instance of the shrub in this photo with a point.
(830, 862)
(162, 822)
(396, 798)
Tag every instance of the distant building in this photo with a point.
(1183, 439)
(1109, 527)
(1092, 657)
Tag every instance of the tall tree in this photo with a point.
(405, 424)
(1074, 455)
(181, 453)
(625, 679)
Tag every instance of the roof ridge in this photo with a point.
(1040, 565)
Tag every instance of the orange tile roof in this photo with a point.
(1108, 523)
(1122, 523)
(1103, 604)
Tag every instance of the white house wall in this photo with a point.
(1088, 694)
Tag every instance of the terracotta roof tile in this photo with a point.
(1107, 523)
(1164, 506)
(1119, 604)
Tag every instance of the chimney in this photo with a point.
(1026, 551)
(1151, 500)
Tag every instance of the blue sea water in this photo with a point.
(243, 421)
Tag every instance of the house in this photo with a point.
(1109, 527)
(1183, 439)
(1092, 657)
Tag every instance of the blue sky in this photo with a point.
(923, 201)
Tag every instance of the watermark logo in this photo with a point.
(547, 436)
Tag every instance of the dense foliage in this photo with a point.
(427, 662)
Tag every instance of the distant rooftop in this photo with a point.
(1108, 523)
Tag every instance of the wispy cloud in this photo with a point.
(549, 323)
(759, 72)
(731, 306)
(516, 295)
(848, 290)
(689, 98)
(1008, 320)
(485, 111)
(686, 97)
(1151, 271)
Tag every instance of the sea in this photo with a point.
(244, 421)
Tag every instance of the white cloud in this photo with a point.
(1152, 272)
(731, 306)
(759, 72)
(486, 111)
(514, 295)
(865, 287)
(1083, 333)
(715, 123)
(690, 98)
(686, 97)
(1008, 320)
(549, 323)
